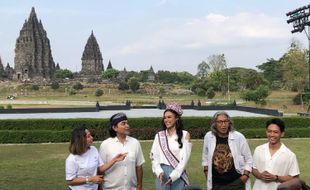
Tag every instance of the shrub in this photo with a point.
(55, 85)
(123, 86)
(9, 106)
(34, 87)
(305, 98)
(78, 86)
(200, 92)
(210, 93)
(99, 92)
(59, 130)
(134, 84)
(72, 92)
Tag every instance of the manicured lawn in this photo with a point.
(41, 166)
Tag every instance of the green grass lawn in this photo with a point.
(42, 166)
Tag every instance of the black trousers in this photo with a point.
(235, 185)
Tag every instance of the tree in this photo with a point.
(167, 77)
(110, 74)
(217, 62)
(185, 77)
(218, 81)
(203, 70)
(199, 85)
(201, 92)
(294, 66)
(271, 71)
(258, 95)
(243, 78)
(133, 84)
(63, 74)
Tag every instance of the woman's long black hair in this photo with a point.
(178, 126)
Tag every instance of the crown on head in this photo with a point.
(175, 107)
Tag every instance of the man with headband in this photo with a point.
(126, 174)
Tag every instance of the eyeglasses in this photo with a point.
(219, 122)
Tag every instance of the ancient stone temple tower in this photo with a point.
(92, 58)
(33, 56)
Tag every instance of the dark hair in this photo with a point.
(214, 118)
(278, 122)
(178, 126)
(114, 120)
(78, 142)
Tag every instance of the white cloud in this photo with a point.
(214, 30)
(216, 17)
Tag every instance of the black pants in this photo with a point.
(235, 185)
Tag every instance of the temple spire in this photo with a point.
(32, 14)
(92, 57)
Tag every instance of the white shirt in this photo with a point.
(82, 166)
(240, 151)
(122, 175)
(281, 163)
(183, 154)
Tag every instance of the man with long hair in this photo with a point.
(226, 156)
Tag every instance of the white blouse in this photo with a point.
(82, 166)
(182, 154)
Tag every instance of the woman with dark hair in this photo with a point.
(171, 151)
(84, 162)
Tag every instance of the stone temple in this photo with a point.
(92, 58)
(33, 56)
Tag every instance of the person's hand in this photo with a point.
(244, 178)
(98, 179)
(169, 181)
(161, 178)
(120, 157)
(267, 177)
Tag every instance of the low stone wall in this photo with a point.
(97, 108)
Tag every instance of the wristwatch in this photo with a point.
(277, 178)
(87, 179)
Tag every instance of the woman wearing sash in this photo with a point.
(171, 151)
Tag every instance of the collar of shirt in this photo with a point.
(116, 139)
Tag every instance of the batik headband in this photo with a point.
(115, 119)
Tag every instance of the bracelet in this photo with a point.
(247, 175)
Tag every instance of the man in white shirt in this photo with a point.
(274, 163)
(226, 156)
(126, 174)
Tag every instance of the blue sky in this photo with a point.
(174, 35)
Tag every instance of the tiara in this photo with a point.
(175, 107)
